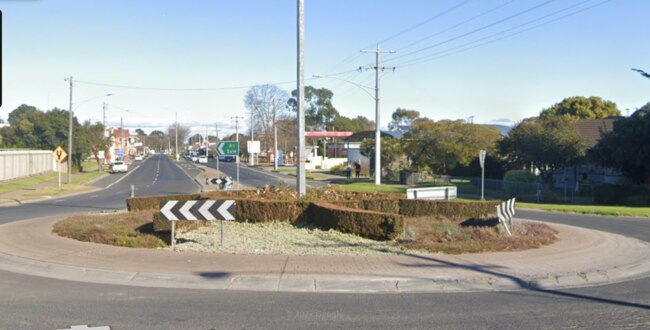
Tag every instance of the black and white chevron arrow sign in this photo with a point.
(198, 210)
(213, 181)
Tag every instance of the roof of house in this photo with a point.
(359, 136)
(593, 129)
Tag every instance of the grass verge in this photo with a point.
(133, 229)
(371, 187)
(591, 209)
(444, 236)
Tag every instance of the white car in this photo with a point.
(194, 158)
(203, 159)
(138, 157)
(119, 166)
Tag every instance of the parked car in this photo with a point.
(203, 159)
(119, 166)
(194, 158)
(139, 157)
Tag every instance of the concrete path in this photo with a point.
(581, 257)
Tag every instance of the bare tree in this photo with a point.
(266, 104)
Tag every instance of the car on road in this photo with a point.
(119, 167)
(203, 159)
(226, 158)
(139, 157)
(194, 158)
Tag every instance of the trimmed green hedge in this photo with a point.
(369, 224)
(449, 209)
(377, 216)
(153, 202)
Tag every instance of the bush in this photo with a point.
(368, 224)
(153, 202)
(458, 211)
(622, 194)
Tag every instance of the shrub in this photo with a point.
(369, 224)
(153, 202)
(459, 211)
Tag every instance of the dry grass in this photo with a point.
(133, 229)
(441, 235)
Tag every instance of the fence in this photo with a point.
(524, 191)
(22, 163)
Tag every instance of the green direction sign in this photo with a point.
(228, 148)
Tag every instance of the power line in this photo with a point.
(473, 44)
(455, 26)
(428, 20)
(475, 30)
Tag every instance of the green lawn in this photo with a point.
(371, 187)
(591, 209)
(19, 184)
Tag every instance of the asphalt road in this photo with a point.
(253, 177)
(157, 175)
(28, 302)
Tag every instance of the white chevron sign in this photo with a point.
(505, 212)
(198, 210)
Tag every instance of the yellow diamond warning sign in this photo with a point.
(59, 154)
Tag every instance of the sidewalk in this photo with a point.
(581, 257)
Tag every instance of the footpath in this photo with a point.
(580, 257)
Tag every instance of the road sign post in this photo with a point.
(173, 211)
(59, 155)
(229, 148)
(481, 157)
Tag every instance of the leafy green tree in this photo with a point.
(579, 107)
(319, 111)
(627, 146)
(547, 144)
(440, 146)
(140, 132)
(90, 140)
(32, 128)
(403, 117)
(358, 124)
(391, 150)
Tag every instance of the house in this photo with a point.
(591, 130)
(353, 144)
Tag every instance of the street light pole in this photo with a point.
(300, 175)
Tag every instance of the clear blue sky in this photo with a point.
(444, 67)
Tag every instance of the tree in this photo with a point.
(627, 146)
(35, 129)
(140, 132)
(579, 107)
(319, 111)
(441, 146)
(403, 117)
(266, 104)
(358, 124)
(391, 150)
(547, 144)
(91, 140)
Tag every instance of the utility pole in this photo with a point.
(378, 68)
(176, 146)
(70, 136)
(122, 138)
(300, 168)
(216, 129)
(236, 119)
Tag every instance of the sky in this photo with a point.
(488, 61)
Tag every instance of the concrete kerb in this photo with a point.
(487, 276)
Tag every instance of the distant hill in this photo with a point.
(505, 130)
